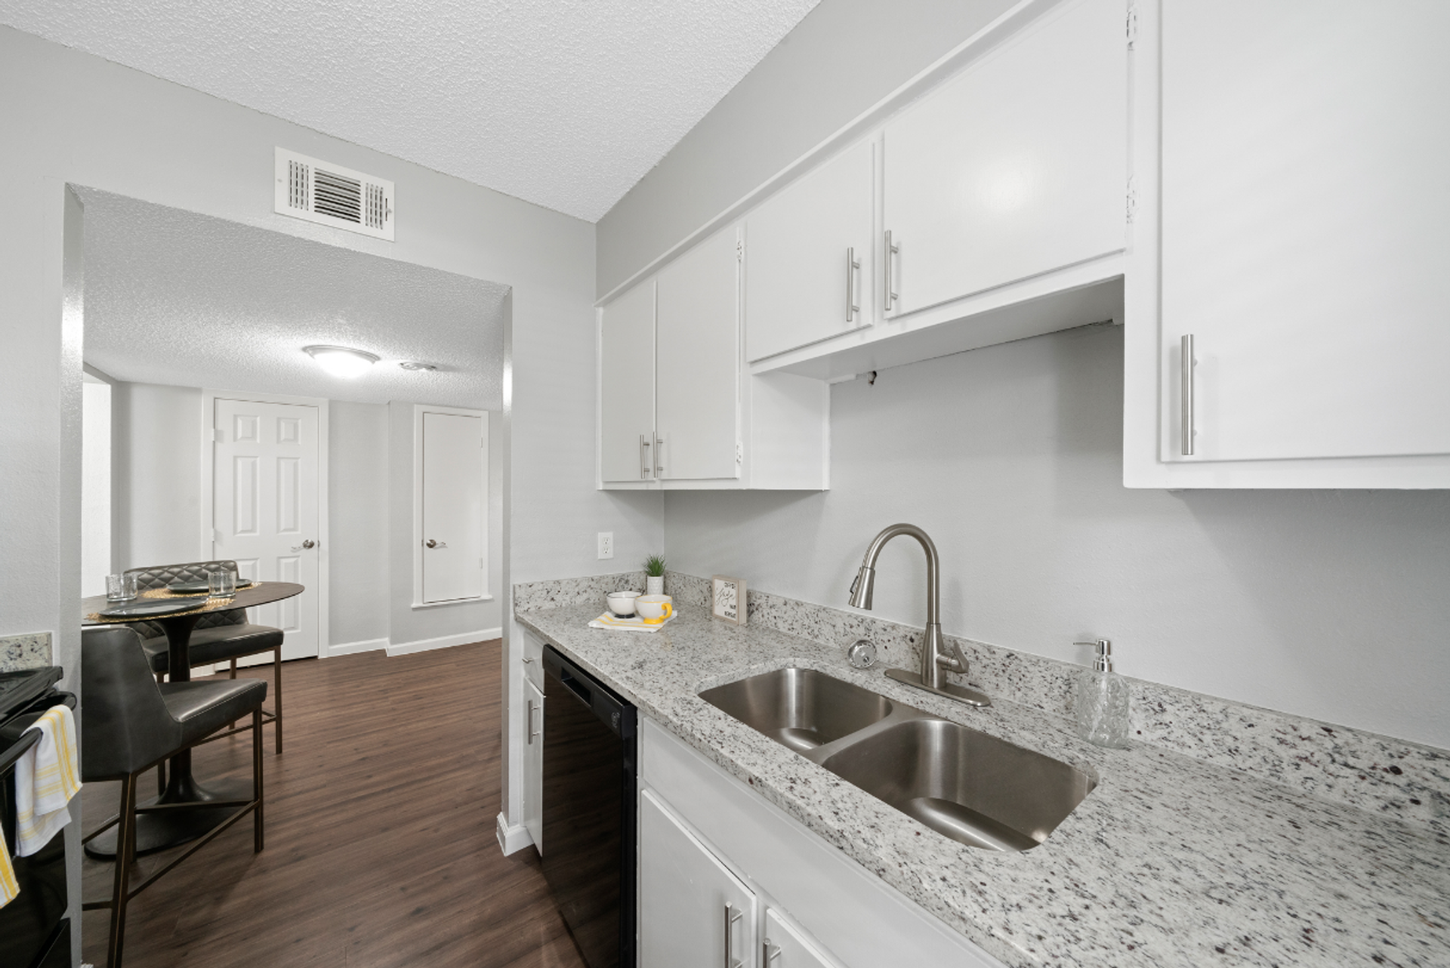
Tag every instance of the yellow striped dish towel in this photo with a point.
(9, 887)
(46, 777)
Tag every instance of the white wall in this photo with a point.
(842, 58)
(95, 485)
(358, 521)
(1331, 604)
(156, 474)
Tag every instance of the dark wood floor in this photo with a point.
(380, 835)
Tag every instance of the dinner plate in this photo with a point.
(154, 606)
(200, 587)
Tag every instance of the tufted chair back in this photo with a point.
(159, 576)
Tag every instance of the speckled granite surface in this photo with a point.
(28, 651)
(1332, 762)
(1171, 861)
(529, 596)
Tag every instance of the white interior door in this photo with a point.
(453, 461)
(265, 509)
(693, 912)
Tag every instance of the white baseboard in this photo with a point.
(511, 839)
(444, 642)
(348, 648)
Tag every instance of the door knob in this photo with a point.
(309, 543)
(430, 543)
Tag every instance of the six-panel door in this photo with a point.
(265, 508)
(1015, 168)
(693, 913)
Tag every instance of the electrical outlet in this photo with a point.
(606, 544)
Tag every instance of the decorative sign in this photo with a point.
(727, 598)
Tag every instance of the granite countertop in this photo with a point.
(1170, 861)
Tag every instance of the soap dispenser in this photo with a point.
(1101, 705)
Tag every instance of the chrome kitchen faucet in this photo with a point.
(936, 655)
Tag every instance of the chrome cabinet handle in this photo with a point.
(853, 302)
(659, 457)
(1187, 363)
(731, 916)
(644, 461)
(771, 952)
(892, 249)
(533, 732)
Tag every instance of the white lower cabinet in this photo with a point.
(694, 913)
(534, 762)
(706, 841)
(789, 947)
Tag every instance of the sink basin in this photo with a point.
(965, 784)
(800, 708)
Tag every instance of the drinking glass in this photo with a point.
(221, 583)
(120, 588)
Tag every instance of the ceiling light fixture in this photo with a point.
(413, 365)
(341, 361)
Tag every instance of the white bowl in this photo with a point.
(622, 603)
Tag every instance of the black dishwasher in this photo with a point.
(589, 813)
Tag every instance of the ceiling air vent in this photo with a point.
(329, 194)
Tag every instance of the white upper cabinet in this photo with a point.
(1301, 246)
(808, 265)
(627, 386)
(1015, 168)
(697, 363)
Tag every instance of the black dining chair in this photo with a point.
(224, 636)
(130, 723)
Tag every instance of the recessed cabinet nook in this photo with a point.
(1248, 203)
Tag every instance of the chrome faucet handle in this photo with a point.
(957, 661)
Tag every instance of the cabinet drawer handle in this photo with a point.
(853, 302)
(1186, 361)
(644, 459)
(659, 457)
(532, 732)
(772, 952)
(892, 250)
(731, 916)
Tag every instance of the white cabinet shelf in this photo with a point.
(1297, 228)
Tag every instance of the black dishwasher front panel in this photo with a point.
(589, 811)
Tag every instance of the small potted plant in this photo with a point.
(654, 575)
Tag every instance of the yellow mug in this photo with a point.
(653, 609)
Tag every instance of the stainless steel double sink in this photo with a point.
(963, 783)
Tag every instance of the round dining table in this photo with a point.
(186, 810)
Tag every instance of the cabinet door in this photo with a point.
(627, 386)
(534, 763)
(1015, 168)
(697, 364)
(787, 947)
(808, 258)
(1305, 228)
(693, 913)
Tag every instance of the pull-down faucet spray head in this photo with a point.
(862, 587)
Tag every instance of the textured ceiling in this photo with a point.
(178, 298)
(565, 103)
